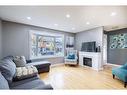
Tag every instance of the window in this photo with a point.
(44, 45)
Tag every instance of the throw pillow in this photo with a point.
(71, 56)
(3, 82)
(8, 69)
(25, 72)
(19, 61)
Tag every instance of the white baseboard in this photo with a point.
(110, 64)
(60, 64)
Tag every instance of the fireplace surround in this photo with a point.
(94, 57)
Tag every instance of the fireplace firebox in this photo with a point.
(87, 61)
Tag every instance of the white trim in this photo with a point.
(48, 56)
(46, 34)
(55, 65)
(110, 64)
(29, 44)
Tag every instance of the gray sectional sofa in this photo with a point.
(7, 74)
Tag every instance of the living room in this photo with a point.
(63, 47)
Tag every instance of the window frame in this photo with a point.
(44, 33)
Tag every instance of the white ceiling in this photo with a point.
(54, 17)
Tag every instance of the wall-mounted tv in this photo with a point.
(89, 46)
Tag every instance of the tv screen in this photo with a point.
(89, 46)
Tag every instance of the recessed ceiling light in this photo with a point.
(29, 18)
(56, 24)
(68, 15)
(113, 13)
(73, 28)
(87, 23)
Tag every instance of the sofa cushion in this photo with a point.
(25, 72)
(20, 61)
(8, 69)
(3, 82)
(44, 87)
(30, 83)
(19, 82)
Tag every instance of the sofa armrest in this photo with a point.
(44, 87)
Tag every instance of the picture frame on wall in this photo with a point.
(69, 42)
(118, 41)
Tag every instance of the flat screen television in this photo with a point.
(89, 46)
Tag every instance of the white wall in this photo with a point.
(0, 39)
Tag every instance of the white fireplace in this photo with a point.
(96, 59)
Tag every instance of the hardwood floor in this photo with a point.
(66, 77)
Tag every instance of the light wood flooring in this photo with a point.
(81, 78)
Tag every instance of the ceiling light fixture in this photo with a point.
(87, 23)
(29, 18)
(113, 13)
(73, 28)
(56, 24)
(68, 15)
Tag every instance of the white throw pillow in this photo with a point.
(25, 72)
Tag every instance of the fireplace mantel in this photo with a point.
(96, 59)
